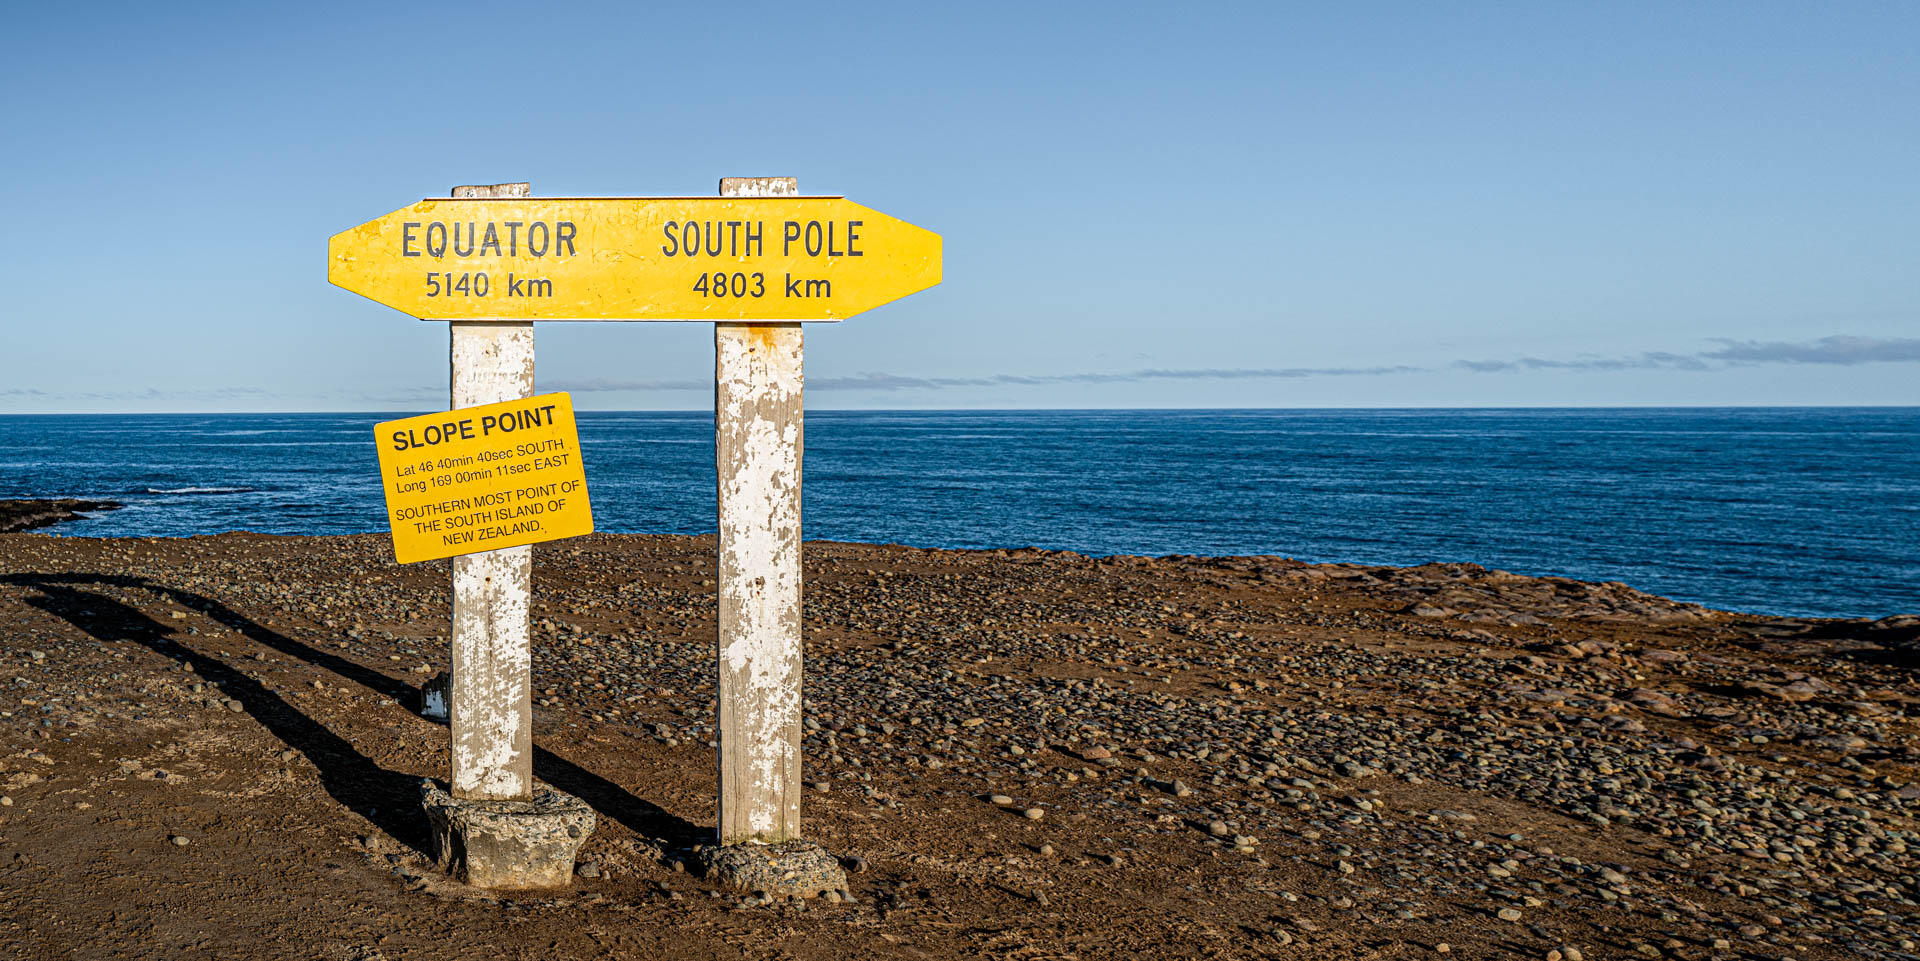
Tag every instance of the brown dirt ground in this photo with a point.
(298, 800)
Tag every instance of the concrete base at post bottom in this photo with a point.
(507, 844)
(789, 869)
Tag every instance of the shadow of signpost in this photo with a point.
(388, 799)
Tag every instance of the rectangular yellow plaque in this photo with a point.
(482, 478)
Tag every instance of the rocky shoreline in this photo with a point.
(1022, 754)
(25, 515)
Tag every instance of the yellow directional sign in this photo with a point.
(481, 478)
(635, 258)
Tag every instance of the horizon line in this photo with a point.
(1057, 410)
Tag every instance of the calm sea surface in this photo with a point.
(1794, 511)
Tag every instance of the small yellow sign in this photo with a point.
(635, 258)
(482, 478)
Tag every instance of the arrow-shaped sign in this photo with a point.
(635, 258)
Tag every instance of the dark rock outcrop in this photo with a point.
(25, 515)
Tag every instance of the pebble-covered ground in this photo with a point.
(208, 749)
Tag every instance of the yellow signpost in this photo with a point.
(482, 478)
(754, 262)
(635, 258)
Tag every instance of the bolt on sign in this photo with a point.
(482, 478)
(629, 258)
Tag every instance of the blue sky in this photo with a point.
(1261, 205)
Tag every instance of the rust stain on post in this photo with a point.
(763, 336)
(491, 714)
(757, 453)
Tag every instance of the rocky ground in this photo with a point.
(207, 750)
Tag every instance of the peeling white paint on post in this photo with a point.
(492, 709)
(757, 445)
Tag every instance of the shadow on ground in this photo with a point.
(388, 799)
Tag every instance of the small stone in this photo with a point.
(1344, 868)
(821, 786)
(1180, 789)
(6, 800)
(1046, 850)
(1442, 948)
(235, 706)
(1001, 800)
(1219, 829)
(1034, 814)
(1508, 914)
(1568, 953)
(180, 842)
(588, 869)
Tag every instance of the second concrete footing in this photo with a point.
(790, 869)
(507, 844)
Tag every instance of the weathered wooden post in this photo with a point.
(757, 439)
(757, 442)
(491, 829)
(491, 709)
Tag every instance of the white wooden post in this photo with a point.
(491, 709)
(757, 443)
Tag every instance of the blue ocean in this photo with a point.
(1810, 511)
